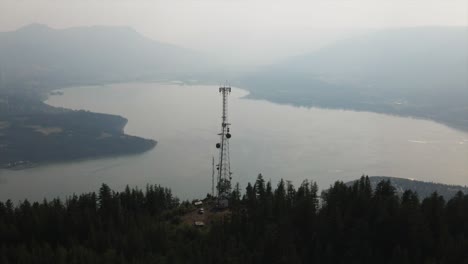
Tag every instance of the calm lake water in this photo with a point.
(279, 141)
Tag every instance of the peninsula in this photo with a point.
(33, 133)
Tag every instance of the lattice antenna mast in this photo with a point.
(213, 177)
(224, 165)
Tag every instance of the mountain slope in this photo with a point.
(419, 72)
(36, 58)
(37, 55)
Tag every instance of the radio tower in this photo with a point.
(224, 166)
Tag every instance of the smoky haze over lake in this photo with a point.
(279, 141)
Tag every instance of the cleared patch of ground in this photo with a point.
(211, 213)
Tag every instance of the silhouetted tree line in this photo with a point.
(266, 224)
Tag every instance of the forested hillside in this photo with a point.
(33, 133)
(424, 189)
(266, 224)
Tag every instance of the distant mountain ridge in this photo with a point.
(39, 56)
(420, 72)
(424, 189)
(36, 59)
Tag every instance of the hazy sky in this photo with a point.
(233, 27)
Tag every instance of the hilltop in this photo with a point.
(265, 224)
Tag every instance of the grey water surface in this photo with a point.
(279, 141)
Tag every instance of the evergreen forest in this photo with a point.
(264, 224)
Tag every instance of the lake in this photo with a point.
(279, 141)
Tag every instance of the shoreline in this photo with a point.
(460, 128)
(81, 135)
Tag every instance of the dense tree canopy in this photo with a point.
(345, 224)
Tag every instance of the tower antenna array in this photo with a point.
(224, 165)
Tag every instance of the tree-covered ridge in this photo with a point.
(424, 189)
(266, 224)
